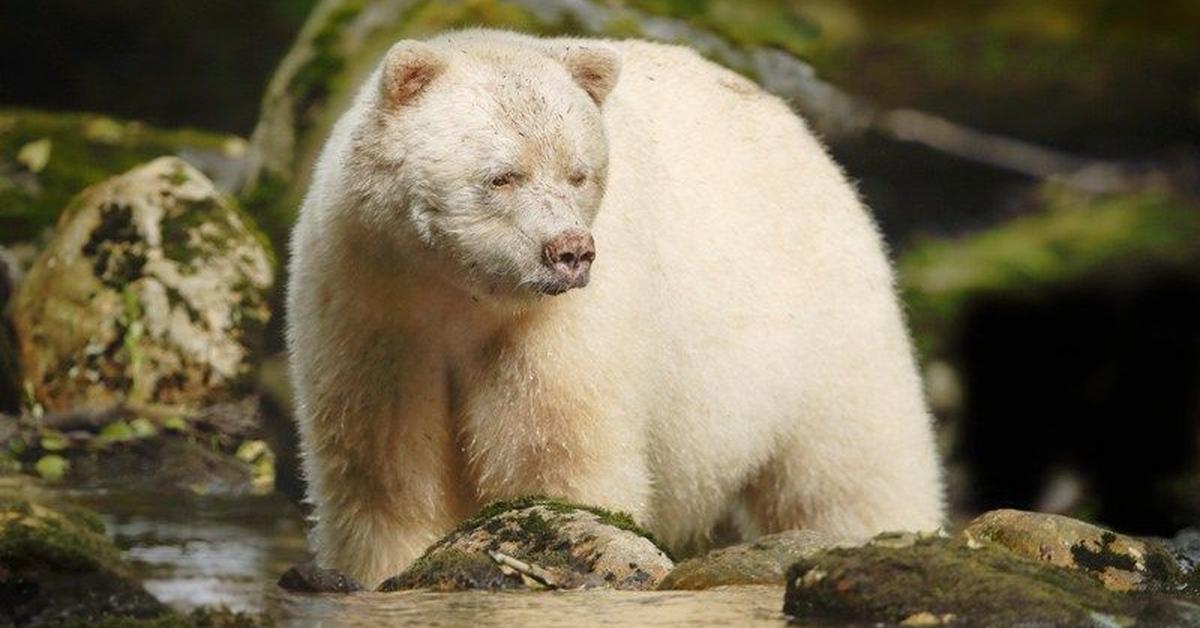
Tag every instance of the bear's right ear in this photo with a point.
(407, 69)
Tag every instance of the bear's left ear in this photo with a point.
(594, 66)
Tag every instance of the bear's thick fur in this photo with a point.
(737, 354)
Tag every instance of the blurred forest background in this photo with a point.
(1034, 165)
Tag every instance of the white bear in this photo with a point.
(606, 271)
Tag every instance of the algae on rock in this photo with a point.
(153, 290)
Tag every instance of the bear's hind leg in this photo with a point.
(854, 478)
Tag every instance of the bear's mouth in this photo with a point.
(554, 287)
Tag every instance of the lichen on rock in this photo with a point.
(954, 581)
(151, 291)
(553, 543)
(1119, 562)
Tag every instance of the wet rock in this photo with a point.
(763, 561)
(539, 543)
(57, 566)
(309, 578)
(152, 291)
(956, 581)
(1119, 562)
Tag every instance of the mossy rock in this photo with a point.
(152, 291)
(762, 561)
(1113, 240)
(565, 545)
(933, 581)
(57, 567)
(46, 158)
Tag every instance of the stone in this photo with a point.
(763, 561)
(940, 580)
(153, 290)
(1119, 562)
(539, 543)
(309, 578)
(57, 566)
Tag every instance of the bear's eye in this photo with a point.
(505, 179)
(577, 178)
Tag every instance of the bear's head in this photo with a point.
(492, 158)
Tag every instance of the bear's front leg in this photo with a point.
(384, 477)
(535, 426)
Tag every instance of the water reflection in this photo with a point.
(733, 606)
(194, 550)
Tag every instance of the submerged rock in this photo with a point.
(152, 291)
(310, 578)
(57, 566)
(1119, 562)
(934, 581)
(763, 561)
(539, 543)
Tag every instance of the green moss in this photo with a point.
(31, 202)
(1075, 239)
(744, 22)
(619, 520)
(33, 536)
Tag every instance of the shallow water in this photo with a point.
(203, 551)
(733, 606)
(195, 550)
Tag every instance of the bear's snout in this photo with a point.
(569, 255)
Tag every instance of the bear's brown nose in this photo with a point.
(570, 256)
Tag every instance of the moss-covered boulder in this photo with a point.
(539, 543)
(57, 566)
(1119, 562)
(1074, 239)
(152, 291)
(934, 581)
(46, 158)
(762, 561)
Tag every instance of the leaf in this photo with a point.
(117, 431)
(53, 441)
(142, 427)
(35, 155)
(250, 450)
(53, 467)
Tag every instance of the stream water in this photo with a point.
(207, 550)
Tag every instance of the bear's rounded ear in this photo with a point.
(407, 69)
(594, 66)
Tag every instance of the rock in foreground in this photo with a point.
(1119, 562)
(58, 566)
(763, 561)
(539, 543)
(1006, 568)
(153, 290)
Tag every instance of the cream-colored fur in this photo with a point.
(738, 350)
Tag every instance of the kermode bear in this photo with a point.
(606, 271)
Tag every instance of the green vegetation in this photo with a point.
(1075, 239)
(81, 150)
